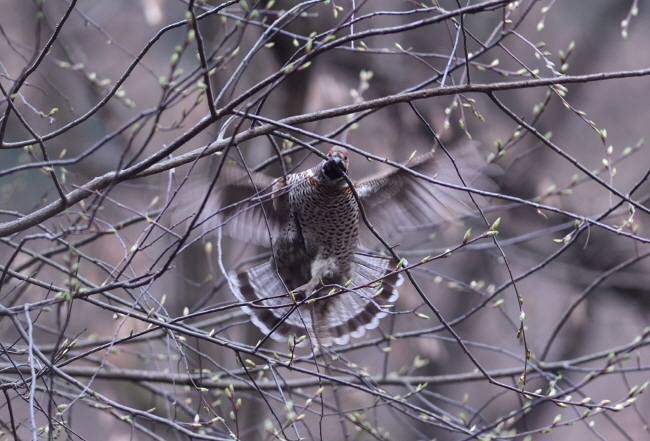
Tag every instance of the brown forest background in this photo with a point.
(115, 324)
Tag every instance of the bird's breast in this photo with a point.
(329, 219)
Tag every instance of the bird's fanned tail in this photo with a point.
(267, 302)
(344, 312)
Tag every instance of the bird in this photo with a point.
(321, 283)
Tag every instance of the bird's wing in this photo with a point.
(241, 204)
(397, 200)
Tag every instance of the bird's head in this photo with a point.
(336, 164)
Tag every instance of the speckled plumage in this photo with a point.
(318, 283)
(321, 234)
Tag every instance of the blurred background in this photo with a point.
(116, 321)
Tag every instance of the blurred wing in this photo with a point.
(397, 200)
(242, 205)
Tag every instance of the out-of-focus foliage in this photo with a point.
(116, 117)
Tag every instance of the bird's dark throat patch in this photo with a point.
(333, 171)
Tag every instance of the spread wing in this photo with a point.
(396, 200)
(241, 204)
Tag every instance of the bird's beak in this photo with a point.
(338, 159)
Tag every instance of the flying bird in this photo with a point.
(319, 282)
